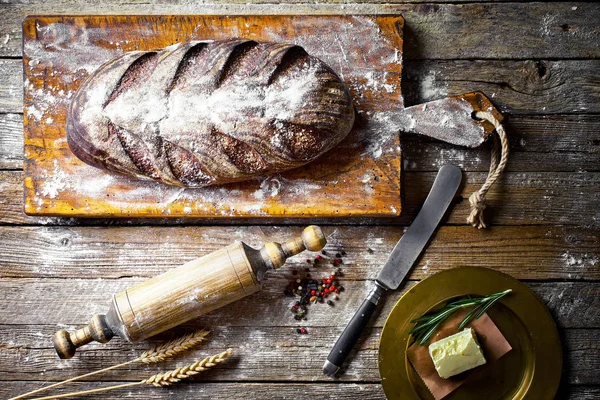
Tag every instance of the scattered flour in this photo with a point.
(55, 183)
(432, 89)
(579, 261)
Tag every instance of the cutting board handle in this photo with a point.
(451, 119)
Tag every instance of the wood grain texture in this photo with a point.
(11, 141)
(296, 359)
(74, 301)
(521, 87)
(535, 198)
(11, 84)
(559, 143)
(232, 390)
(529, 253)
(549, 87)
(358, 177)
(496, 30)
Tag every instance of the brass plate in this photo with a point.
(531, 370)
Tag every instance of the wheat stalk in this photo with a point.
(154, 355)
(160, 380)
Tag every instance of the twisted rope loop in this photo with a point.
(497, 165)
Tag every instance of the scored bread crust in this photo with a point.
(209, 112)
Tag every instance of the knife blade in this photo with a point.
(400, 261)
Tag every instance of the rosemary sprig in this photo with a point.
(426, 325)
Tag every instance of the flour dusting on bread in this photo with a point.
(209, 112)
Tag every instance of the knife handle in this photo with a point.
(351, 333)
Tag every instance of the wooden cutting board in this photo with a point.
(359, 177)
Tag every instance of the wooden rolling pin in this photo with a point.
(187, 292)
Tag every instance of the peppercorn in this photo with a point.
(343, 253)
(330, 303)
(318, 257)
(303, 331)
(309, 261)
(294, 272)
(341, 288)
(313, 292)
(338, 255)
(299, 331)
(324, 252)
(297, 317)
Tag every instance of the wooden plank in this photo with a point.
(528, 252)
(497, 30)
(358, 177)
(11, 86)
(261, 353)
(73, 301)
(11, 141)
(229, 390)
(557, 143)
(260, 391)
(516, 87)
(535, 198)
(579, 392)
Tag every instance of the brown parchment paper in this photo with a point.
(493, 344)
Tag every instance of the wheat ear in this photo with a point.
(173, 347)
(154, 355)
(174, 376)
(160, 380)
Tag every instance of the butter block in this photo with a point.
(457, 353)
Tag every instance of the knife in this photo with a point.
(399, 263)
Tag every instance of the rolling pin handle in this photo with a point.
(66, 343)
(275, 254)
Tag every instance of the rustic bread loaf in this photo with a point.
(210, 112)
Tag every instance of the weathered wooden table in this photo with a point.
(540, 65)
